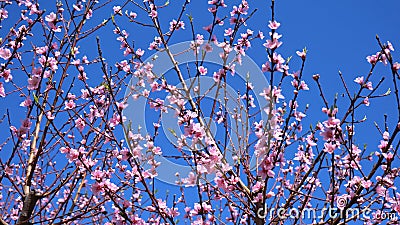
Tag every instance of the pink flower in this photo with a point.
(273, 25)
(25, 126)
(70, 104)
(303, 86)
(359, 80)
(6, 74)
(174, 25)
(396, 66)
(49, 116)
(228, 32)
(121, 105)
(2, 91)
(274, 43)
(27, 102)
(52, 17)
(72, 155)
(191, 180)
(373, 58)
(266, 67)
(366, 184)
(97, 188)
(386, 136)
(5, 53)
(117, 10)
(33, 82)
(217, 76)
(14, 214)
(139, 52)
(256, 187)
(80, 124)
(133, 15)
(329, 147)
(302, 54)
(366, 101)
(390, 46)
(202, 70)
(369, 85)
(153, 14)
(3, 14)
(97, 175)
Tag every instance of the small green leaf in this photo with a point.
(190, 17)
(288, 59)
(388, 92)
(36, 99)
(172, 132)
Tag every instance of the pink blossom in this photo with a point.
(117, 10)
(2, 90)
(139, 52)
(54, 28)
(3, 14)
(257, 187)
(228, 32)
(153, 14)
(78, 7)
(274, 43)
(97, 188)
(133, 15)
(121, 105)
(202, 70)
(329, 147)
(49, 116)
(70, 104)
(266, 67)
(369, 85)
(276, 94)
(191, 180)
(390, 46)
(366, 101)
(14, 214)
(386, 136)
(273, 25)
(219, 75)
(5, 53)
(97, 175)
(174, 25)
(373, 58)
(89, 14)
(396, 66)
(303, 86)
(359, 80)
(27, 102)
(52, 17)
(72, 155)
(302, 54)
(6, 74)
(80, 124)
(33, 82)
(383, 145)
(25, 126)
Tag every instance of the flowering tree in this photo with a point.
(74, 148)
